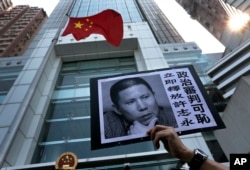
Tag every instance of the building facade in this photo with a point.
(49, 101)
(236, 117)
(215, 16)
(232, 38)
(227, 72)
(162, 28)
(18, 27)
(210, 14)
(231, 76)
(4, 6)
(240, 4)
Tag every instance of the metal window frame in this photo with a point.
(153, 158)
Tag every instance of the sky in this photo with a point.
(190, 29)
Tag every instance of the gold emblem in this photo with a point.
(66, 161)
(78, 25)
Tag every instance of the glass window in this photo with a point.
(82, 149)
(67, 129)
(7, 78)
(127, 8)
(67, 123)
(2, 96)
(68, 109)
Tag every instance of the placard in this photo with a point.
(124, 107)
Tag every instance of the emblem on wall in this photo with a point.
(67, 160)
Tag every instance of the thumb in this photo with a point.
(136, 122)
(153, 122)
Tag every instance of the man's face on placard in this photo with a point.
(137, 103)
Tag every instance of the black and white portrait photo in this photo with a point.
(137, 104)
(125, 107)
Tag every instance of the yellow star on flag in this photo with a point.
(78, 25)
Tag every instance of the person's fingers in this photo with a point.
(151, 132)
(169, 138)
(161, 136)
(162, 133)
(156, 129)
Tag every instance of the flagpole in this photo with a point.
(70, 8)
(64, 21)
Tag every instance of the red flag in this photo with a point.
(107, 23)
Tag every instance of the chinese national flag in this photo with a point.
(107, 23)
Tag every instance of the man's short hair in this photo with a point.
(124, 84)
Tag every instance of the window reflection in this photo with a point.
(67, 124)
(7, 79)
(127, 8)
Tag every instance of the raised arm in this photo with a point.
(176, 148)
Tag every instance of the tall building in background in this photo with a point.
(227, 72)
(5, 5)
(244, 6)
(210, 14)
(239, 15)
(230, 74)
(18, 26)
(215, 16)
(162, 28)
(47, 110)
